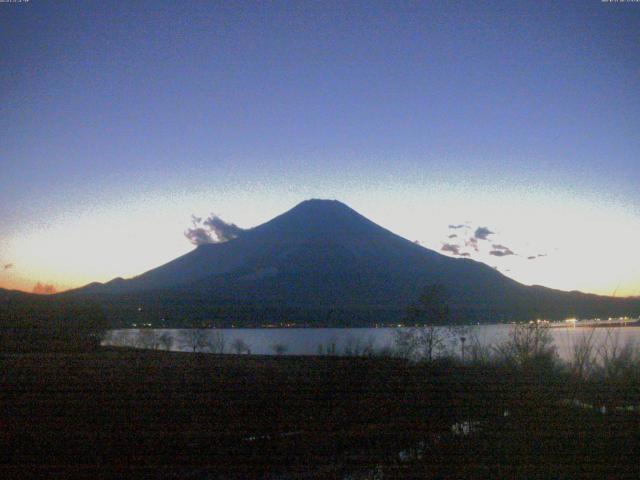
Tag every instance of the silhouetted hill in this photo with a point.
(30, 322)
(323, 263)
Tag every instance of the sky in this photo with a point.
(121, 120)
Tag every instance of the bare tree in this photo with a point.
(615, 360)
(239, 346)
(420, 343)
(428, 314)
(431, 342)
(405, 342)
(583, 356)
(166, 340)
(582, 365)
(529, 345)
(147, 338)
(216, 342)
(194, 339)
(617, 371)
(329, 349)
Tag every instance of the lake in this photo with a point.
(311, 341)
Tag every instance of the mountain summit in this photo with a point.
(320, 218)
(323, 263)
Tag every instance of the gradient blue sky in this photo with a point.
(121, 119)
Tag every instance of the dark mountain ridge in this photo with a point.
(322, 263)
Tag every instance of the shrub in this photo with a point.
(355, 347)
(279, 348)
(529, 346)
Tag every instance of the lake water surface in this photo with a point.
(311, 341)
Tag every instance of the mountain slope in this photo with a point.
(323, 260)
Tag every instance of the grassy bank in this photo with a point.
(173, 415)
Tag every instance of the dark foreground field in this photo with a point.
(125, 414)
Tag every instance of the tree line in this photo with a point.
(42, 323)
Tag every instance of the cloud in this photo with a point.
(501, 251)
(211, 230)
(482, 233)
(450, 247)
(223, 230)
(470, 239)
(44, 289)
(454, 249)
(533, 257)
(199, 236)
(7, 266)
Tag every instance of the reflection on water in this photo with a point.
(339, 341)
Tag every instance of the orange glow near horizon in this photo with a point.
(126, 240)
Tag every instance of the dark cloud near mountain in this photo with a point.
(451, 248)
(7, 266)
(199, 236)
(482, 233)
(454, 249)
(473, 243)
(501, 251)
(223, 230)
(44, 289)
(533, 257)
(211, 230)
